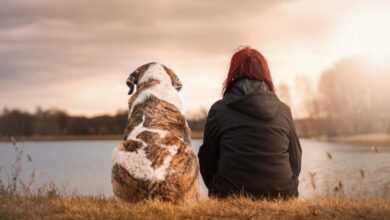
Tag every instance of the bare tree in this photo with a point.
(353, 94)
(284, 93)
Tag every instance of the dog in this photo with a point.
(155, 159)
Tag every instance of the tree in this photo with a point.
(353, 95)
(284, 93)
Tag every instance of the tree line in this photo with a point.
(352, 97)
(54, 122)
(57, 122)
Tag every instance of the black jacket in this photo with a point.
(250, 145)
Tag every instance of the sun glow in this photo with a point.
(365, 32)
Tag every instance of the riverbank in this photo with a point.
(194, 135)
(375, 139)
(61, 138)
(77, 207)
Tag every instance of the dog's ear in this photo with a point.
(131, 82)
(176, 83)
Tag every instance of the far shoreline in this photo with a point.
(371, 139)
(194, 135)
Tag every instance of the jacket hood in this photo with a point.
(252, 97)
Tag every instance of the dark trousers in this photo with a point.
(218, 190)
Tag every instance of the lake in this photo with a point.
(84, 167)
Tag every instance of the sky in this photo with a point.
(77, 55)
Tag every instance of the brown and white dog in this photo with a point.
(155, 159)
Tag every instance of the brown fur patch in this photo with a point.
(132, 145)
(134, 121)
(161, 115)
(172, 140)
(131, 189)
(185, 177)
(149, 137)
(147, 84)
(142, 69)
(156, 154)
(174, 78)
(124, 185)
(131, 124)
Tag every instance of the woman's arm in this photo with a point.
(294, 150)
(209, 151)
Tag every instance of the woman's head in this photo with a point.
(248, 63)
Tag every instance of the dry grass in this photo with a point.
(43, 207)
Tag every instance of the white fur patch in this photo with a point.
(164, 90)
(136, 163)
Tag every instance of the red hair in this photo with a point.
(248, 63)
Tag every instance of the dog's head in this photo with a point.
(154, 71)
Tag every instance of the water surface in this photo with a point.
(84, 167)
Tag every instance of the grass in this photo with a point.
(76, 207)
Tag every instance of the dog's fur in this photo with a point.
(155, 159)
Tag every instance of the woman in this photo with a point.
(250, 145)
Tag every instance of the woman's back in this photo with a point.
(250, 134)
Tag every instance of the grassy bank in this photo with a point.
(375, 139)
(41, 207)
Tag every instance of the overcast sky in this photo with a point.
(76, 55)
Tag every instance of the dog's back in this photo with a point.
(155, 159)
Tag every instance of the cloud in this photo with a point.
(71, 50)
(43, 35)
(46, 44)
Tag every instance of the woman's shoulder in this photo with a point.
(218, 108)
(284, 107)
(218, 105)
(285, 110)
